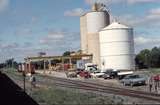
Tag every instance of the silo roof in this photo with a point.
(115, 25)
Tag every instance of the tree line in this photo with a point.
(9, 63)
(148, 58)
(144, 59)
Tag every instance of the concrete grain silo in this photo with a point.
(90, 25)
(117, 47)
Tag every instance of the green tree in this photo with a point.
(67, 53)
(155, 57)
(11, 63)
(143, 59)
(79, 51)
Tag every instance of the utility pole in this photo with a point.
(12, 60)
(24, 81)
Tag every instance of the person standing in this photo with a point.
(156, 83)
(150, 83)
(159, 81)
(33, 81)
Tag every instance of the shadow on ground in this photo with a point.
(12, 94)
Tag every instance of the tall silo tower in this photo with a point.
(117, 47)
(90, 25)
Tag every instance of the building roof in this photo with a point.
(57, 57)
(116, 25)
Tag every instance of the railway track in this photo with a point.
(95, 87)
(77, 84)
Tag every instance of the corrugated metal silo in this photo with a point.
(117, 47)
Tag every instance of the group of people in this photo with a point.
(154, 83)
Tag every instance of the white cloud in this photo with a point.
(23, 31)
(61, 40)
(34, 19)
(56, 35)
(53, 36)
(4, 5)
(155, 11)
(19, 51)
(144, 42)
(118, 1)
(107, 2)
(145, 24)
(150, 19)
(154, 14)
(9, 45)
(142, 1)
(74, 12)
(130, 19)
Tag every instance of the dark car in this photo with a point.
(110, 74)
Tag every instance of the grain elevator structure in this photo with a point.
(111, 45)
(117, 47)
(90, 25)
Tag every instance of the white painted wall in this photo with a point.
(117, 47)
(96, 21)
(91, 23)
(83, 32)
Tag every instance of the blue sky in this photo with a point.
(30, 26)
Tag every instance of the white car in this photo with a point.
(97, 74)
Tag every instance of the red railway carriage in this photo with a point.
(31, 69)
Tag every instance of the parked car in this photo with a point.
(97, 74)
(110, 74)
(71, 74)
(133, 80)
(84, 74)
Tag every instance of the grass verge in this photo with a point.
(55, 96)
(52, 95)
